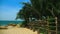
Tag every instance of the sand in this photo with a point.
(17, 30)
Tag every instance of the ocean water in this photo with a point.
(8, 22)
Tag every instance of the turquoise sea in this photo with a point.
(8, 22)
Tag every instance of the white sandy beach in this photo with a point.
(17, 30)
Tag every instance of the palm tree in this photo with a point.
(40, 8)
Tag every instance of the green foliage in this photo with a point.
(39, 8)
(23, 24)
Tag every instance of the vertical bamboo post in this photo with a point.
(56, 24)
(48, 24)
(38, 31)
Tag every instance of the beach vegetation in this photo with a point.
(39, 10)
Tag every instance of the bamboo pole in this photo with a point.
(48, 25)
(56, 24)
(38, 31)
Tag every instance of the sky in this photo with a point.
(10, 8)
